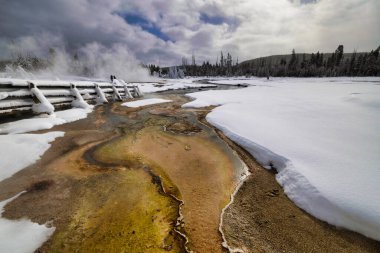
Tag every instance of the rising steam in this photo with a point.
(91, 60)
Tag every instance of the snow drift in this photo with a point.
(44, 121)
(322, 135)
(21, 150)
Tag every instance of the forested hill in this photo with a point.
(277, 58)
(315, 64)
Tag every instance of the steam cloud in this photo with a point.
(92, 60)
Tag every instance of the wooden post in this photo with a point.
(101, 99)
(78, 102)
(127, 93)
(41, 103)
(34, 98)
(116, 95)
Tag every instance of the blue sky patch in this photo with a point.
(214, 20)
(147, 26)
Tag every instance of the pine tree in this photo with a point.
(339, 55)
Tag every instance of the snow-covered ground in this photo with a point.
(21, 236)
(18, 150)
(322, 135)
(256, 80)
(43, 122)
(144, 102)
(171, 84)
(21, 150)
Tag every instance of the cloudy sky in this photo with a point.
(163, 31)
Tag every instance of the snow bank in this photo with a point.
(72, 115)
(144, 102)
(21, 236)
(44, 121)
(322, 135)
(21, 150)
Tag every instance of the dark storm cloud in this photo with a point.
(79, 23)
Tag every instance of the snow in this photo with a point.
(127, 92)
(138, 91)
(116, 82)
(72, 115)
(79, 101)
(322, 136)
(21, 150)
(16, 102)
(46, 92)
(144, 102)
(63, 83)
(3, 95)
(257, 80)
(235, 81)
(101, 99)
(115, 95)
(21, 236)
(44, 106)
(165, 85)
(44, 121)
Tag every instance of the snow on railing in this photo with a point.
(116, 95)
(137, 91)
(101, 99)
(44, 96)
(41, 104)
(127, 93)
(79, 102)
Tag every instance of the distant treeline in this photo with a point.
(316, 64)
(292, 65)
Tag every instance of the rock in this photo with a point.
(168, 247)
(273, 193)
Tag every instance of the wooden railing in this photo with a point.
(17, 95)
